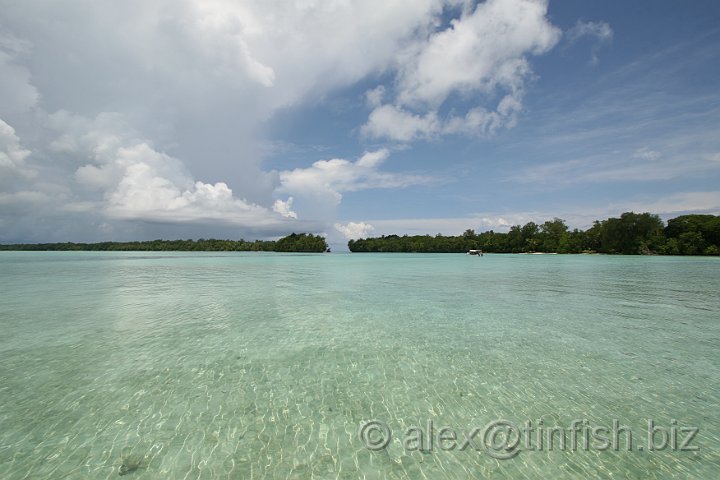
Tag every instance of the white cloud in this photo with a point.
(138, 182)
(479, 52)
(282, 48)
(284, 208)
(353, 230)
(118, 175)
(330, 178)
(481, 55)
(600, 31)
(319, 189)
(480, 121)
(155, 187)
(12, 156)
(393, 122)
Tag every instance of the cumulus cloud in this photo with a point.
(329, 179)
(398, 124)
(390, 121)
(479, 55)
(135, 181)
(147, 192)
(284, 208)
(12, 156)
(354, 230)
(479, 52)
(319, 189)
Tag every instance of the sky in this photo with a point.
(253, 119)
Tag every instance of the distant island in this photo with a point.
(630, 234)
(302, 242)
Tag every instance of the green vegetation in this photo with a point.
(302, 242)
(630, 234)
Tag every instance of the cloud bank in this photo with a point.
(123, 116)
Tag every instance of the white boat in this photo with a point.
(475, 252)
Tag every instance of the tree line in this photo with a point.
(630, 234)
(302, 242)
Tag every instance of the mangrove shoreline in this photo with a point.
(629, 234)
(303, 242)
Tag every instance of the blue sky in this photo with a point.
(254, 119)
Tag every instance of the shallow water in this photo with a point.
(247, 365)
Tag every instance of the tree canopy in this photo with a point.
(302, 242)
(630, 234)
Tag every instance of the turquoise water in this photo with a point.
(246, 365)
